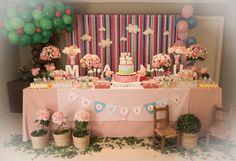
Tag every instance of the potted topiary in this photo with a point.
(189, 125)
(81, 135)
(62, 135)
(40, 137)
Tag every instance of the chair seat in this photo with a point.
(168, 132)
(219, 132)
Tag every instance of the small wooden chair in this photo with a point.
(164, 132)
(221, 126)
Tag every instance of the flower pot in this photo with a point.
(81, 142)
(189, 141)
(62, 139)
(40, 142)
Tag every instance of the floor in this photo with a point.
(12, 124)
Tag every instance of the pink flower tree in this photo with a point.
(81, 123)
(58, 118)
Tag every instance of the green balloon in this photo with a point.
(25, 40)
(47, 33)
(37, 14)
(49, 13)
(11, 12)
(60, 7)
(67, 19)
(8, 25)
(45, 24)
(29, 28)
(17, 23)
(49, 5)
(71, 8)
(37, 23)
(57, 22)
(33, 3)
(13, 37)
(37, 38)
(26, 15)
(69, 28)
(46, 40)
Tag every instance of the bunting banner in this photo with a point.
(149, 107)
(99, 106)
(109, 35)
(85, 102)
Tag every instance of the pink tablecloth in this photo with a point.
(196, 101)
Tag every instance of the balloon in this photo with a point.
(46, 40)
(29, 28)
(178, 20)
(48, 13)
(69, 28)
(13, 37)
(60, 7)
(190, 41)
(17, 23)
(33, 3)
(57, 22)
(20, 31)
(37, 38)
(49, 5)
(37, 14)
(26, 15)
(182, 26)
(8, 25)
(58, 14)
(179, 43)
(70, 8)
(45, 24)
(187, 11)
(183, 36)
(37, 23)
(67, 19)
(192, 22)
(38, 30)
(68, 12)
(47, 33)
(11, 12)
(25, 40)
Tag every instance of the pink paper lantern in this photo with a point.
(187, 11)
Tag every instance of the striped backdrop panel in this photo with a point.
(141, 47)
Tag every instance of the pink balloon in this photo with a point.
(187, 11)
(182, 26)
(183, 36)
(179, 43)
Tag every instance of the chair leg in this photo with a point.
(163, 144)
(207, 140)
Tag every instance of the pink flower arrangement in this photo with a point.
(43, 115)
(71, 50)
(58, 118)
(196, 52)
(49, 53)
(90, 61)
(161, 61)
(50, 67)
(82, 116)
(177, 50)
(35, 71)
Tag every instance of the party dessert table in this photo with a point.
(120, 112)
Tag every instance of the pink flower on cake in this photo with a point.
(82, 116)
(50, 67)
(58, 118)
(35, 71)
(43, 114)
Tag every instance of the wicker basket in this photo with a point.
(40, 142)
(81, 143)
(189, 141)
(62, 139)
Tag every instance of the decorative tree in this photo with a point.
(34, 22)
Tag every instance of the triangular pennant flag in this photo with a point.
(106, 68)
(99, 106)
(72, 96)
(149, 107)
(111, 109)
(137, 110)
(124, 110)
(85, 102)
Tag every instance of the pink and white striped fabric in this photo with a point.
(141, 46)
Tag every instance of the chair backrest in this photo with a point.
(222, 115)
(160, 120)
